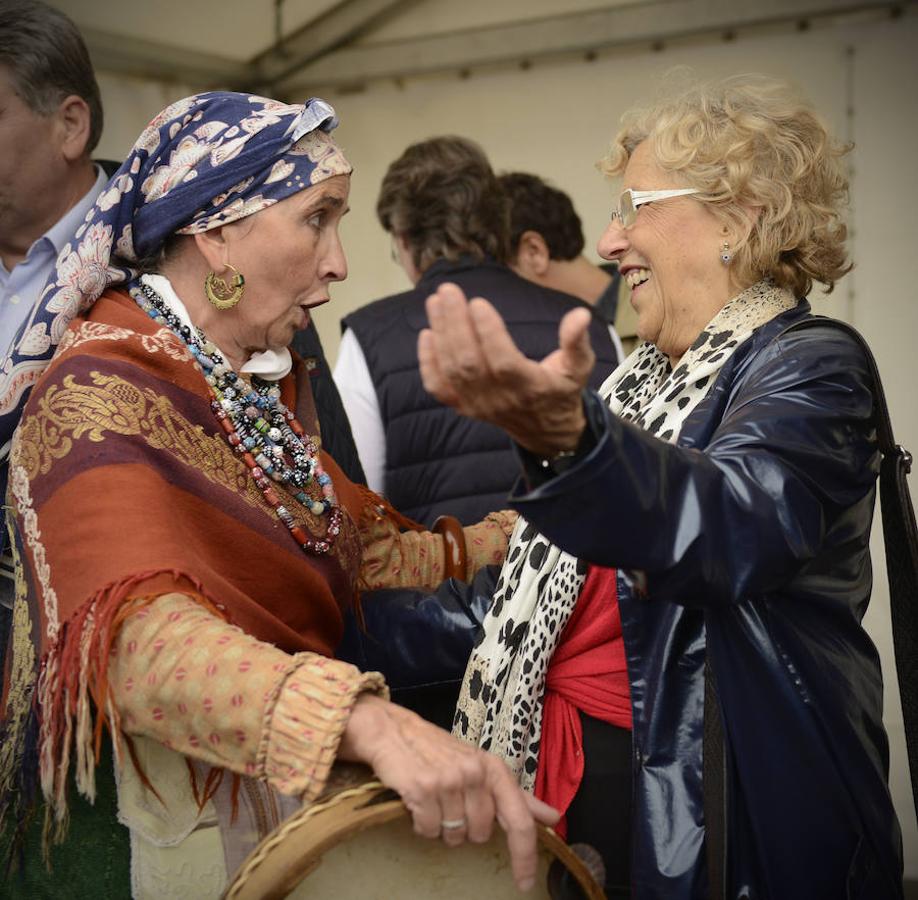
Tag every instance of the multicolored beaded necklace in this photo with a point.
(258, 426)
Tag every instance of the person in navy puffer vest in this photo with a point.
(449, 221)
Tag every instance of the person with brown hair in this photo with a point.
(443, 206)
(51, 123)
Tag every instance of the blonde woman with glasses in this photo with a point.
(693, 540)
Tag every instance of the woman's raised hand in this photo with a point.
(452, 790)
(469, 361)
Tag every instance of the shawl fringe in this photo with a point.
(73, 706)
(212, 783)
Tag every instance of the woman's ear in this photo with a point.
(735, 229)
(213, 247)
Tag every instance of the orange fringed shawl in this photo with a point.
(124, 488)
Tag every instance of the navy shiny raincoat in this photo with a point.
(753, 535)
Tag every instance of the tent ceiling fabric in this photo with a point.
(205, 43)
(236, 31)
(331, 44)
(324, 34)
(640, 23)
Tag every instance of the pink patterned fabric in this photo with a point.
(210, 691)
(415, 558)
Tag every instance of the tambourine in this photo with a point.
(357, 842)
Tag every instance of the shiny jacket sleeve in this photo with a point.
(794, 449)
(415, 637)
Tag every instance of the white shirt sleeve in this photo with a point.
(352, 376)
(617, 343)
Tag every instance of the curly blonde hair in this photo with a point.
(750, 142)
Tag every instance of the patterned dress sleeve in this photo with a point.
(393, 558)
(207, 689)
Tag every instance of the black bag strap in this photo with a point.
(901, 538)
(713, 789)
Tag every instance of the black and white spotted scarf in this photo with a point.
(500, 706)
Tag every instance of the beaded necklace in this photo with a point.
(258, 426)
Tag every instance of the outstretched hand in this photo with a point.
(452, 790)
(469, 362)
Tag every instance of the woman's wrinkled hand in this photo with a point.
(442, 780)
(469, 362)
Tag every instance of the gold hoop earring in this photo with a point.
(221, 294)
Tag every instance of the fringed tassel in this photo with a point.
(47, 742)
(358, 610)
(115, 719)
(212, 782)
(193, 778)
(86, 763)
(234, 797)
(73, 687)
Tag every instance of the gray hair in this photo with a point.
(48, 60)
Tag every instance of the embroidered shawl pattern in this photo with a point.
(124, 487)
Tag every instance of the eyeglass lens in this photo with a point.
(625, 212)
(626, 209)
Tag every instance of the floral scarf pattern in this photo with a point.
(194, 168)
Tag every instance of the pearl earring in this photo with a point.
(725, 255)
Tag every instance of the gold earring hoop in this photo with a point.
(221, 294)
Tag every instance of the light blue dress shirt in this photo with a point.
(21, 288)
(19, 291)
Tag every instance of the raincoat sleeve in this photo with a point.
(794, 449)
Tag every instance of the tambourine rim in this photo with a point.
(376, 815)
(258, 856)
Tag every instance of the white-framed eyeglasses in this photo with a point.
(630, 200)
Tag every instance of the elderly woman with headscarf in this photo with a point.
(697, 532)
(185, 549)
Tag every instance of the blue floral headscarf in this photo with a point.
(204, 161)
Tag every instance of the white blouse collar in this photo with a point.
(270, 365)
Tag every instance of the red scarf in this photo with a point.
(587, 673)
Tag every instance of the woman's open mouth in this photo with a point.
(309, 305)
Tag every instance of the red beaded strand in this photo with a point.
(309, 544)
